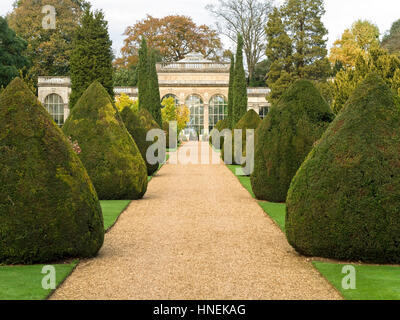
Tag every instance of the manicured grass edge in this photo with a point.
(62, 281)
(116, 219)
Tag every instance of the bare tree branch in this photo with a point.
(247, 17)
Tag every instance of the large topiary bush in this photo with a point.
(109, 153)
(251, 120)
(49, 209)
(138, 124)
(285, 138)
(221, 125)
(344, 201)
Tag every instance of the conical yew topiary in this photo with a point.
(138, 124)
(344, 201)
(285, 138)
(49, 209)
(221, 125)
(109, 153)
(250, 120)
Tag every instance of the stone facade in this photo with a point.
(200, 84)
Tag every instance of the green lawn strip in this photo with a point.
(372, 282)
(112, 210)
(244, 180)
(276, 211)
(159, 167)
(25, 282)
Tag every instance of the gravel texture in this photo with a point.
(197, 234)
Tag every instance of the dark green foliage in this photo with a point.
(296, 45)
(92, 56)
(125, 77)
(391, 40)
(344, 201)
(259, 78)
(239, 106)
(221, 125)
(109, 153)
(49, 209)
(138, 124)
(11, 53)
(285, 138)
(279, 53)
(230, 92)
(154, 102)
(251, 120)
(143, 76)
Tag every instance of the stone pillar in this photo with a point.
(206, 123)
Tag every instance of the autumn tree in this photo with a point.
(247, 17)
(239, 106)
(391, 40)
(359, 39)
(49, 50)
(122, 101)
(12, 58)
(92, 56)
(173, 37)
(377, 60)
(172, 112)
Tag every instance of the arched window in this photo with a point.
(263, 112)
(217, 110)
(196, 107)
(55, 106)
(170, 95)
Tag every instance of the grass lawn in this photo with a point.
(372, 282)
(25, 282)
(111, 211)
(244, 180)
(276, 211)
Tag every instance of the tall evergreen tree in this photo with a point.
(301, 33)
(12, 58)
(239, 107)
(230, 92)
(391, 40)
(279, 53)
(154, 104)
(92, 56)
(142, 73)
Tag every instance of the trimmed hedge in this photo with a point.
(138, 124)
(344, 201)
(49, 209)
(220, 126)
(251, 120)
(285, 138)
(109, 153)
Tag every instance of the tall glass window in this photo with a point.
(196, 108)
(169, 95)
(55, 106)
(263, 112)
(217, 110)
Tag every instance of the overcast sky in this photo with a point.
(340, 14)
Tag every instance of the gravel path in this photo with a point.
(197, 234)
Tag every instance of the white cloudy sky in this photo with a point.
(340, 14)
